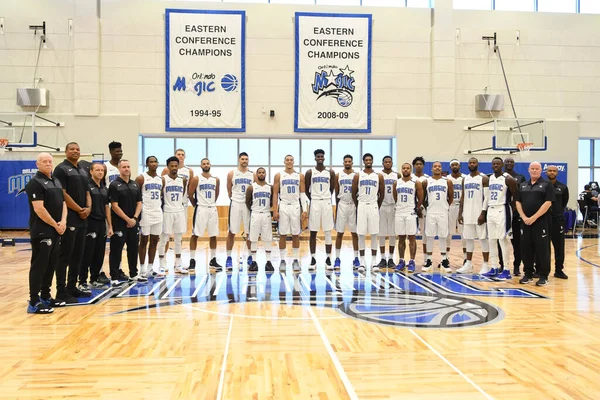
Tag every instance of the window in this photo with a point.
(341, 147)
(195, 149)
(585, 153)
(379, 149)
(308, 148)
(418, 3)
(561, 6)
(589, 6)
(514, 5)
(281, 147)
(257, 149)
(161, 148)
(223, 151)
(473, 4)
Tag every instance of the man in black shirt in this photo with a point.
(74, 181)
(126, 204)
(557, 229)
(534, 200)
(96, 234)
(509, 165)
(47, 222)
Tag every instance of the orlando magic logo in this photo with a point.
(17, 183)
(337, 83)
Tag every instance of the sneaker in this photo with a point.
(84, 287)
(467, 268)
(560, 275)
(382, 264)
(296, 265)
(98, 285)
(361, 269)
(525, 280)
(542, 281)
(313, 262)
(484, 269)
(491, 273)
(356, 262)
(329, 267)
(401, 265)
(446, 266)
(76, 292)
(375, 268)
(215, 265)
(427, 266)
(162, 272)
(516, 272)
(228, 263)
(192, 266)
(411, 266)
(180, 270)
(504, 275)
(269, 267)
(312, 267)
(328, 262)
(66, 297)
(103, 279)
(253, 267)
(38, 308)
(139, 278)
(536, 275)
(338, 263)
(282, 265)
(391, 264)
(249, 260)
(51, 303)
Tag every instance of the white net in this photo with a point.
(524, 149)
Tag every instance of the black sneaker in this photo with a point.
(517, 272)
(328, 262)
(215, 265)
(313, 261)
(192, 265)
(66, 297)
(77, 292)
(38, 308)
(560, 275)
(427, 266)
(123, 277)
(253, 267)
(269, 267)
(98, 285)
(391, 264)
(382, 264)
(50, 302)
(536, 275)
(446, 265)
(103, 279)
(84, 287)
(542, 281)
(525, 280)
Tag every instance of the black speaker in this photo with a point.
(272, 113)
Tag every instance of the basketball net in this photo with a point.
(3, 144)
(524, 149)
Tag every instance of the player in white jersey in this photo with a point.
(418, 164)
(111, 167)
(386, 214)
(238, 181)
(319, 184)
(345, 211)
(290, 206)
(408, 194)
(456, 179)
(174, 219)
(259, 199)
(367, 194)
(499, 218)
(439, 197)
(472, 214)
(203, 193)
(152, 214)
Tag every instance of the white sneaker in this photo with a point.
(329, 267)
(180, 270)
(466, 269)
(161, 272)
(139, 278)
(484, 269)
(375, 268)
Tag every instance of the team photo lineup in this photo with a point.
(76, 206)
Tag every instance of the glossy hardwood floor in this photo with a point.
(309, 336)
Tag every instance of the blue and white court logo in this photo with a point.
(333, 81)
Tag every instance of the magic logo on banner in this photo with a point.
(205, 82)
(14, 208)
(333, 73)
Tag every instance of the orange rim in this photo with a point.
(524, 146)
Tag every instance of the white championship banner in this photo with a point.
(205, 53)
(333, 73)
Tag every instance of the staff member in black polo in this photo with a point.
(534, 199)
(74, 181)
(557, 230)
(126, 204)
(47, 221)
(96, 233)
(509, 167)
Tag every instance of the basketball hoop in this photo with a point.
(524, 149)
(3, 144)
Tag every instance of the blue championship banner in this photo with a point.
(14, 207)
(333, 73)
(205, 71)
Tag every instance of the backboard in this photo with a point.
(509, 132)
(18, 128)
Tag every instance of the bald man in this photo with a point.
(534, 200)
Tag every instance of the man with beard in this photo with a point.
(238, 181)
(319, 183)
(152, 214)
(386, 215)
(456, 179)
(259, 199)
(557, 230)
(345, 215)
(367, 193)
(472, 214)
(440, 194)
(74, 182)
(408, 194)
(509, 165)
(111, 167)
(203, 194)
(418, 164)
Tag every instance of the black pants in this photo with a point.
(516, 243)
(535, 244)
(557, 235)
(71, 253)
(95, 247)
(44, 258)
(123, 236)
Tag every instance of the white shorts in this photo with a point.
(206, 219)
(367, 219)
(238, 214)
(474, 231)
(387, 214)
(436, 225)
(260, 224)
(289, 219)
(453, 226)
(320, 215)
(345, 216)
(498, 223)
(174, 222)
(154, 229)
(406, 225)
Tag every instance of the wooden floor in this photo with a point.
(309, 336)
